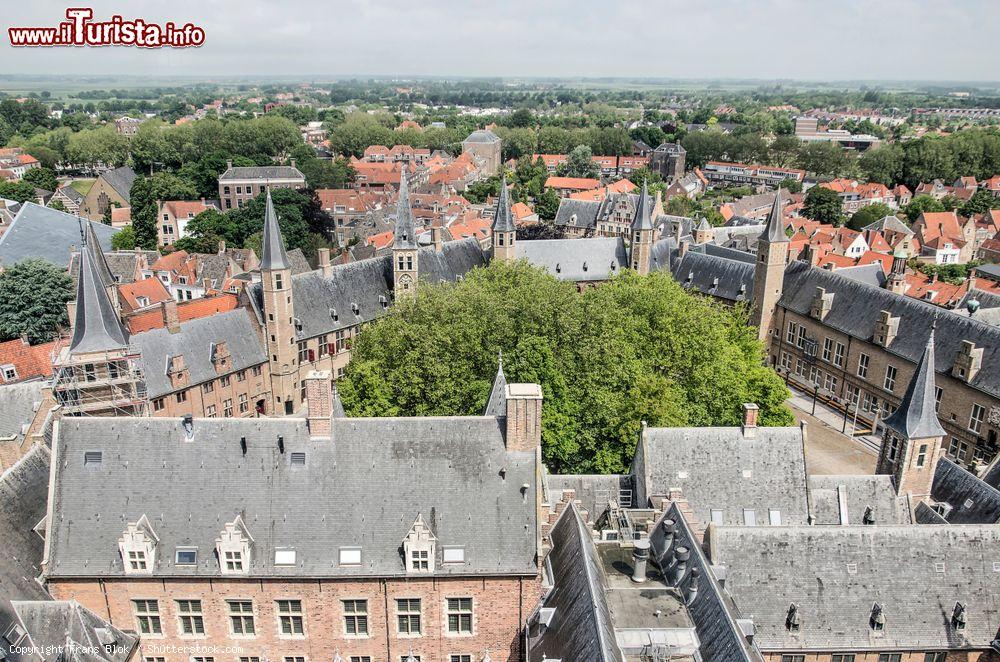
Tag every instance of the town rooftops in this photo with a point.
(592, 259)
(48, 234)
(121, 180)
(842, 579)
(299, 501)
(254, 173)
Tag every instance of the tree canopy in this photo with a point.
(823, 205)
(638, 348)
(33, 296)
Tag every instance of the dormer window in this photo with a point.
(138, 547)
(958, 617)
(233, 548)
(419, 547)
(877, 618)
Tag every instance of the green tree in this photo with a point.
(547, 205)
(637, 349)
(57, 205)
(145, 192)
(784, 151)
(33, 296)
(18, 191)
(882, 164)
(823, 159)
(981, 201)
(124, 239)
(921, 203)
(579, 163)
(43, 178)
(868, 215)
(823, 205)
(791, 185)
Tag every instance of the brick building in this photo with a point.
(111, 189)
(484, 145)
(173, 217)
(443, 574)
(241, 184)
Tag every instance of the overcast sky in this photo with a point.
(802, 39)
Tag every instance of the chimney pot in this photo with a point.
(750, 413)
(640, 556)
(170, 318)
(323, 255)
(524, 417)
(319, 404)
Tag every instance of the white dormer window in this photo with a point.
(233, 547)
(419, 547)
(138, 547)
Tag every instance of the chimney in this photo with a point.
(319, 404)
(683, 249)
(679, 566)
(640, 555)
(229, 164)
(170, 319)
(292, 161)
(692, 588)
(436, 239)
(324, 262)
(750, 412)
(524, 417)
(222, 247)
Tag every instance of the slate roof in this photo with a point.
(577, 213)
(916, 416)
(496, 404)
(593, 491)
(717, 276)
(834, 574)
(582, 627)
(446, 469)
(643, 220)
(972, 501)
(855, 311)
(720, 468)
(272, 253)
(194, 342)
(405, 231)
(97, 327)
(298, 262)
(482, 136)
(23, 495)
(18, 403)
(62, 623)
(870, 274)
(121, 180)
(774, 231)
(40, 232)
(71, 193)
(720, 636)
(592, 259)
(503, 219)
(861, 494)
(261, 172)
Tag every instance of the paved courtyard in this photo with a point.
(828, 450)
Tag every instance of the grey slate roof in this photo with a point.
(261, 172)
(915, 417)
(482, 136)
(40, 232)
(972, 500)
(720, 636)
(364, 488)
(720, 277)
(97, 327)
(272, 253)
(71, 193)
(718, 468)
(643, 220)
(23, 494)
(298, 262)
(64, 623)
(121, 264)
(593, 491)
(405, 232)
(834, 574)
(891, 222)
(194, 342)
(18, 403)
(577, 213)
(861, 494)
(582, 627)
(870, 274)
(503, 219)
(592, 259)
(496, 404)
(121, 180)
(855, 312)
(774, 231)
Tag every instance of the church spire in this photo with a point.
(96, 327)
(405, 232)
(497, 403)
(643, 219)
(775, 230)
(503, 220)
(273, 255)
(915, 417)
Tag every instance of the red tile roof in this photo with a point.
(188, 310)
(150, 288)
(574, 183)
(30, 361)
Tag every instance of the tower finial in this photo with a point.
(643, 219)
(404, 234)
(775, 230)
(273, 255)
(503, 219)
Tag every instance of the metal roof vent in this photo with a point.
(355, 308)
(298, 458)
(640, 555)
(972, 305)
(93, 458)
(877, 618)
(869, 517)
(281, 444)
(189, 426)
(958, 616)
(792, 619)
(333, 314)
(243, 445)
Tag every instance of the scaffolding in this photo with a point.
(108, 383)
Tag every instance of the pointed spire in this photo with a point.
(97, 327)
(503, 220)
(642, 220)
(273, 255)
(497, 403)
(704, 225)
(405, 234)
(915, 417)
(775, 230)
(93, 245)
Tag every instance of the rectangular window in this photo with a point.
(890, 657)
(938, 391)
(800, 342)
(935, 657)
(790, 335)
(147, 615)
(356, 617)
(225, 380)
(256, 370)
(324, 347)
(774, 517)
(793, 658)
(158, 404)
(786, 361)
(234, 561)
(210, 411)
(717, 517)
(460, 615)
(227, 408)
(208, 387)
(295, 658)
(419, 560)
(186, 556)
(192, 621)
(182, 396)
(244, 403)
(922, 456)
(890, 378)
(241, 376)
(241, 617)
(408, 615)
(202, 659)
(137, 560)
(827, 349)
(749, 517)
(250, 659)
(303, 351)
(863, 361)
(976, 418)
(846, 657)
(290, 617)
(360, 658)
(838, 355)
(893, 448)
(460, 658)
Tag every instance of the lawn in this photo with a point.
(83, 185)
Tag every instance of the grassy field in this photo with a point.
(82, 185)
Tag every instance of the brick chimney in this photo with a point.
(436, 239)
(170, 319)
(524, 417)
(319, 404)
(292, 162)
(222, 247)
(750, 412)
(324, 262)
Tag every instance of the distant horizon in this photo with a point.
(855, 42)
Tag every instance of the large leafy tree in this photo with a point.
(43, 178)
(823, 205)
(33, 296)
(579, 163)
(638, 348)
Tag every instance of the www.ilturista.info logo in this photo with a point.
(81, 30)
